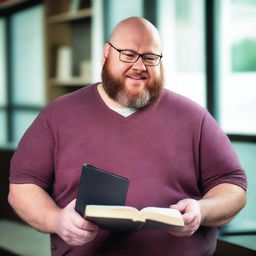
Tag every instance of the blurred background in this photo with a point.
(52, 47)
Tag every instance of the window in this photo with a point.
(116, 10)
(181, 24)
(245, 220)
(27, 57)
(231, 77)
(23, 47)
(237, 66)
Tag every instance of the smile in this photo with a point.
(137, 77)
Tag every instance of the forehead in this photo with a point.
(139, 46)
(139, 39)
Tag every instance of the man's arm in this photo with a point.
(218, 206)
(221, 204)
(38, 209)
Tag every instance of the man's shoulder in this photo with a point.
(178, 102)
(75, 96)
(70, 104)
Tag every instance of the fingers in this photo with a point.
(187, 230)
(180, 232)
(73, 228)
(84, 230)
(81, 223)
(76, 241)
(77, 237)
(191, 216)
(180, 206)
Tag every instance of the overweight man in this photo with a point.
(171, 149)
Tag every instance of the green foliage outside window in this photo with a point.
(244, 56)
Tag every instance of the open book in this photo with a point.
(121, 218)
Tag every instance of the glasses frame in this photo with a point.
(139, 55)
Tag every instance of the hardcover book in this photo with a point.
(101, 188)
(101, 199)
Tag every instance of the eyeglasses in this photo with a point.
(130, 56)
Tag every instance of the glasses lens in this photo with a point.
(128, 56)
(150, 59)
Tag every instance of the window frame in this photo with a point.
(212, 39)
(6, 12)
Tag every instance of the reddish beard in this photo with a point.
(115, 89)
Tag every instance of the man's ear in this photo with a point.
(105, 52)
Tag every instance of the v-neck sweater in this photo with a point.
(170, 150)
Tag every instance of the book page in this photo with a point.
(164, 211)
(107, 211)
(165, 215)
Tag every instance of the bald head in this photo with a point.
(137, 31)
(130, 75)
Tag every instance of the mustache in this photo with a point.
(116, 89)
(137, 75)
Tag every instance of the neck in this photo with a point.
(107, 100)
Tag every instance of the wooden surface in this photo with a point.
(226, 249)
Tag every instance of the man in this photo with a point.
(170, 149)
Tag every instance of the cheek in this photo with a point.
(117, 68)
(155, 73)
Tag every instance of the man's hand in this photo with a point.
(72, 228)
(34, 205)
(211, 210)
(190, 210)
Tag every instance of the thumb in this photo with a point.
(174, 206)
(181, 205)
(71, 204)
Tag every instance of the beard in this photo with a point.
(116, 89)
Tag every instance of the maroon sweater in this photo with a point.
(170, 150)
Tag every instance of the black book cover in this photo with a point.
(99, 187)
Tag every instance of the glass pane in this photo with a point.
(181, 24)
(118, 10)
(2, 63)
(3, 128)
(27, 56)
(237, 62)
(245, 220)
(21, 121)
(97, 39)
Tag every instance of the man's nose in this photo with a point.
(139, 65)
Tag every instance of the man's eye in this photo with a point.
(149, 57)
(129, 55)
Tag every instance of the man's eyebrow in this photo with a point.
(130, 50)
(146, 53)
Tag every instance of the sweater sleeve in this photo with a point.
(218, 161)
(33, 160)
